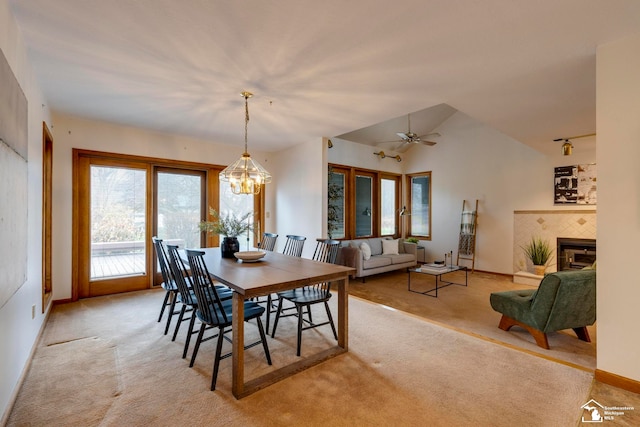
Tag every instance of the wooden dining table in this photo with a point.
(273, 273)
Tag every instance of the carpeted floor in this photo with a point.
(105, 362)
(467, 309)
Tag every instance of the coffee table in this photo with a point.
(438, 273)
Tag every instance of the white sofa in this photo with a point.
(353, 255)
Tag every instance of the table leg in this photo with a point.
(237, 384)
(343, 313)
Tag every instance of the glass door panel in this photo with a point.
(117, 222)
(180, 207)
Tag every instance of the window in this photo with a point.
(388, 203)
(362, 203)
(419, 186)
(336, 203)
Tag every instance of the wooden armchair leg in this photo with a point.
(582, 333)
(507, 322)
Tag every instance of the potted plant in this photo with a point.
(539, 252)
(229, 226)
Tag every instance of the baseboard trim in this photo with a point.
(617, 381)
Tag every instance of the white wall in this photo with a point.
(18, 331)
(300, 194)
(618, 124)
(72, 132)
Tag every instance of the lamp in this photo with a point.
(381, 154)
(245, 175)
(404, 212)
(567, 146)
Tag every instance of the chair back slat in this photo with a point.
(293, 246)
(161, 254)
(268, 242)
(326, 250)
(210, 304)
(181, 275)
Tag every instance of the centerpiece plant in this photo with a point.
(230, 226)
(539, 251)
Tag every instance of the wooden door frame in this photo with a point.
(47, 193)
(79, 223)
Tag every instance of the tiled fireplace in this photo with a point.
(549, 225)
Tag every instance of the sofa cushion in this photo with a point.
(376, 261)
(390, 247)
(376, 246)
(401, 258)
(366, 250)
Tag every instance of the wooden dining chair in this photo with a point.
(218, 314)
(168, 284)
(293, 246)
(268, 242)
(187, 296)
(326, 251)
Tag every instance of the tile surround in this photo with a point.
(549, 225)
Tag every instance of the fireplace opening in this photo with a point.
(575, 254)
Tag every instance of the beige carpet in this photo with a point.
(400, 370)
(467, 309)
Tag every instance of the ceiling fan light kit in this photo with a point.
(407, 138)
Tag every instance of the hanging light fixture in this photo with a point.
(567, 146)
(246, 175)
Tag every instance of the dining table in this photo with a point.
(273, 273)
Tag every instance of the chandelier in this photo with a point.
(245, 175)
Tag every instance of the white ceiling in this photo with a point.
(323, 68)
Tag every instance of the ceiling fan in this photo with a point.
(408, 138)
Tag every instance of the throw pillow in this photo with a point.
(366, 250)
(390, 247)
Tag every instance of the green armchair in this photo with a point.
(564, 300)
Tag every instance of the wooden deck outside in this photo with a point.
(117, 265)
(113, 259)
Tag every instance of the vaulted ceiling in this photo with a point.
(323, 68)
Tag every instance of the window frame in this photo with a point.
(349, 195)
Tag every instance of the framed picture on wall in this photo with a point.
(575, 185)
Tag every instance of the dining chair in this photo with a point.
(294, 244)
(268, 242)
(326, 251)
(168, 284)
(292, 247)
(217, 313)
(187, 296)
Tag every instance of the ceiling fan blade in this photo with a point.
(403, 136)
(430, 135)
(425, 142)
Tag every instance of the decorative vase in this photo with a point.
(539, 269)
(229, 246)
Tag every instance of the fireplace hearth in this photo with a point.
(575, 254)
